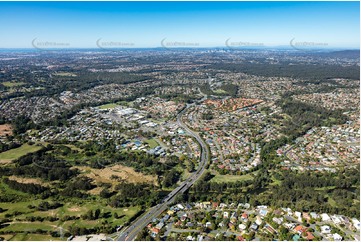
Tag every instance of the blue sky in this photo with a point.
(205, 24)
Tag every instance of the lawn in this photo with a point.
(18, 152)
(152, 143)
(331, 201)
(220, 91)
(275, 182)
(108, 106)
(21, 207)
(18, 237)
(124, 215)
(29, 226)
(40, 237)
(69, 209)
(231, 178)
(65, 74)
(186, 174)
(30, 237)
(12, 84)
(7, 236)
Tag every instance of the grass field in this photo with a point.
(332, 202)
(28, 229)
(29, 237)
(36, 237)
(64, 74)
(105, 175)
(108, 106)
(18, 152)
(275, 182)
(29, 226)
(12, 84)
(220, 91)
(21, 207)
(7, 237)
(231, 178)
(152, 143)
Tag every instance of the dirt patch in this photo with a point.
(27, 180)
(6, 129)
(74, 209)
(125, 173)
(96, 191)
(4, 162)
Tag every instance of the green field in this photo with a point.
(29, 226)
(275, 182)
(152, 143)
(231, 178)
(34, 237)
(12, 84)
(18, 152)
(108, 106)
(220, 91)
(30, 237)
(68, 209)
(21, 207)
(64, 74)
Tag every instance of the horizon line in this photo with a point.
(190, 47)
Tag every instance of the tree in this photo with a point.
(190, 166)
(105, 193)
(97, 213)
(171, 178)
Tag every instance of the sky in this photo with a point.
(178, 24)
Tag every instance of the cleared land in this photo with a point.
(6, 129)
(231, 178)
(12, 84)
(152, 143)
(16, 153)
(65, 74)
(108, 106)
(27, 180)
(123, 172)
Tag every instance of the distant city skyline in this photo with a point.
(298, 25)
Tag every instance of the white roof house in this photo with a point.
(325, 229)
(325, 217)
(335, 219)
(180, 206)
(242, 227)
(314, 215)
(356, 223)
(337, 237)
(258, 220)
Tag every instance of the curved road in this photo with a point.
(131, 232)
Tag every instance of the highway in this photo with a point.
(131, 232)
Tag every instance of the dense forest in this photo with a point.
(82, 81)
(319, 192)
(303, 116)
(312, 72)
(229, 90)
(330, 193)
